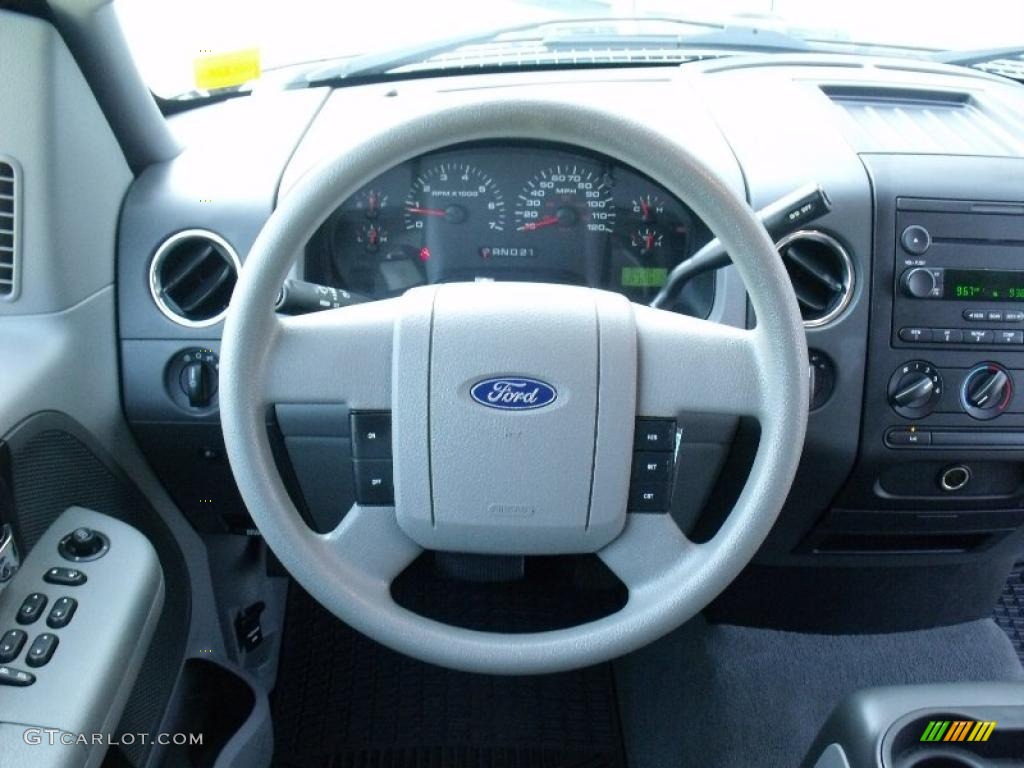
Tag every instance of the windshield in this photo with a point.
(171, 39)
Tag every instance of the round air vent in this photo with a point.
(821, 272)
(192, 276)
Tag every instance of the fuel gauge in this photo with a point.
(371, 202)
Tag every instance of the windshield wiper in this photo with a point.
(712, 36)
(979, 56)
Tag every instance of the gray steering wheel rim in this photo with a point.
(360, 596)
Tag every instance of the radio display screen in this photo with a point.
(983, 285)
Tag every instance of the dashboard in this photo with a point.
(507, 211)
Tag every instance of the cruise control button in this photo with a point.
(978, 337)
(32, 608)
(1009, 337)
(374, 482)
(974, 315)
(41, 650)
(648, 497)
(371, 435)
(61, 613)
(11, 644)
(947, 335)
(652, 465)
(915, 335)
(655, 434)
(68, 577)
(16, 677)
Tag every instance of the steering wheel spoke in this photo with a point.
(368, 545)
(333, 356)
(686, 364)
(650, 547)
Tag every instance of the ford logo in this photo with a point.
(513, 393)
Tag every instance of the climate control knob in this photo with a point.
(987, 391)
(915, 389)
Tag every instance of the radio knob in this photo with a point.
(920, 283)
(987, 391)
(915, 389)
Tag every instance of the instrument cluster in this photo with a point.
(523, 212)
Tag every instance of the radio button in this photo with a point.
(1009, 337)
(947, 336)
(915, 239)
(1013, 317)
(978, 337)
(974, 315)
(916, 335)
(994, 316)
(922, 283)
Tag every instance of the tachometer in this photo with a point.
(455, 193)
(566, 198)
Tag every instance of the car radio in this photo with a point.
(958, 277)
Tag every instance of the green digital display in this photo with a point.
(644, 277)
(984, 285)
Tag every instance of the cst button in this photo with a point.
(648, 497)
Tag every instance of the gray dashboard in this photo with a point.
(767, 124)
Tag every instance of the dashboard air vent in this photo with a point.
(9, 236)
(821, 272)
(192, 276)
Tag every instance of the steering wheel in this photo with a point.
(547, 475)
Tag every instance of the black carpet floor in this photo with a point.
(735, 696)
(343, 700)
(1009, 613)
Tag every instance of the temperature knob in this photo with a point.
(987, 391)
(915, 389)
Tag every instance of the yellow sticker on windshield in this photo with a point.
(224, 70)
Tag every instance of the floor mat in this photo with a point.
(1009, 612)
(345, 701)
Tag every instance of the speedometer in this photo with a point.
(566, 198)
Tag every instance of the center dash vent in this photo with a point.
(821, 272)
(9, 236)
(192, 276)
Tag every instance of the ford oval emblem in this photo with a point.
(513, 393)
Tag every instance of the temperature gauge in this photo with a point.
(648, 208)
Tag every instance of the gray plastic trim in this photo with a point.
(350, 569)
(84, 687)
(14, 282)
(158, 260)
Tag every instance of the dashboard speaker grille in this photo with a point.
(192, 277)
(821, 272)
(9, 236)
